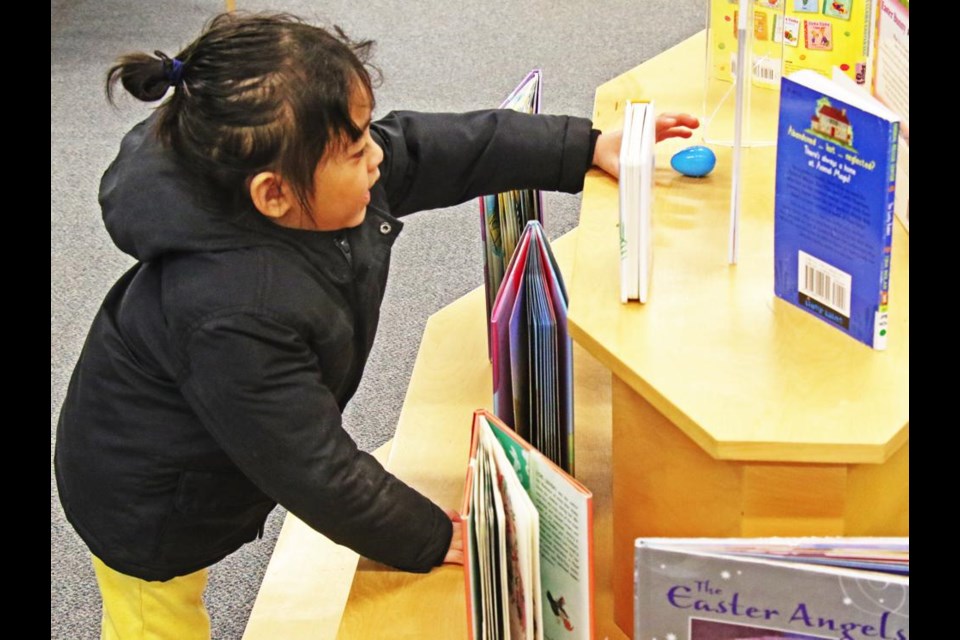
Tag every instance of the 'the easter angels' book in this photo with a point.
(834, 204)
(845, 588)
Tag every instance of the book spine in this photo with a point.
(881, 319)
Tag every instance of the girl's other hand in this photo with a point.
(455, 553)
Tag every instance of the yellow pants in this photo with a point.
(135, 609)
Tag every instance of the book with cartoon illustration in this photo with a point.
(791, 35)
(764, 588)
(834, 196)
(824, 34)
(747, 33)
(527, 539)
(764, 40)
(503, 216)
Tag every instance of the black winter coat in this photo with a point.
(211, 384)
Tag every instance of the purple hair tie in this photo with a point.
(172, 68)
(175, 72)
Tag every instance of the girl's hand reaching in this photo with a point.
(675, 125)
(606, 154)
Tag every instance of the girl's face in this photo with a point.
(344, 176)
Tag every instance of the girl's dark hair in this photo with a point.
(254, 92)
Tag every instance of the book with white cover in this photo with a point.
(636, 200)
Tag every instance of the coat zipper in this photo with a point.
(343, 244)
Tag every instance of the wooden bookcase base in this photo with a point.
(665, 485)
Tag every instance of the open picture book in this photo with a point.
(636, 200)
(532, 351)
(503, 216)
(528, 541)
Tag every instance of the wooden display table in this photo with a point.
(734, 413)
(307, 593)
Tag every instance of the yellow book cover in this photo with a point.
(823, 34)
(790, 35)
(765, 36)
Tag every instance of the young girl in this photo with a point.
(261, 202)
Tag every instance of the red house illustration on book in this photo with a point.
(832, 122)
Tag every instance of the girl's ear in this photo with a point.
(269, 196)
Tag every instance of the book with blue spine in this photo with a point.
(834, 204)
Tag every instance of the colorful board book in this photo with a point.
(532, 351)
(636, 200)
(765, 40)
(791, 35)
(823, 34)
(834, 204)
(528, 541)
(766, 588)
(503, 216)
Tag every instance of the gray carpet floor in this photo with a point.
(435, 56)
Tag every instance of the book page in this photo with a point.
(519, 364)
(565, 551)
(891, 82)
(542, 341)
(482, 528)
(526, 97)
(494, 262)
(521, 523)
(500, 323)
(473, 555)
(498, 546)
(558, 302)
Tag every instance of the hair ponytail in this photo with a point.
(145, 77)
(258, 91)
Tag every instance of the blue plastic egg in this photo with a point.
(695, 162)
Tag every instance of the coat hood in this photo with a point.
(151, 206)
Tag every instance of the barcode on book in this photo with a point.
(824, 283)
(765, 70)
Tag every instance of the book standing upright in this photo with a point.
(766, 588)
(636, 200)
(834, 204)
(891, 85)
(532, 351)
(503, 216)
(528, 541)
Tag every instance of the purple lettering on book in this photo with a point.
(848, 630)
(681, 597)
